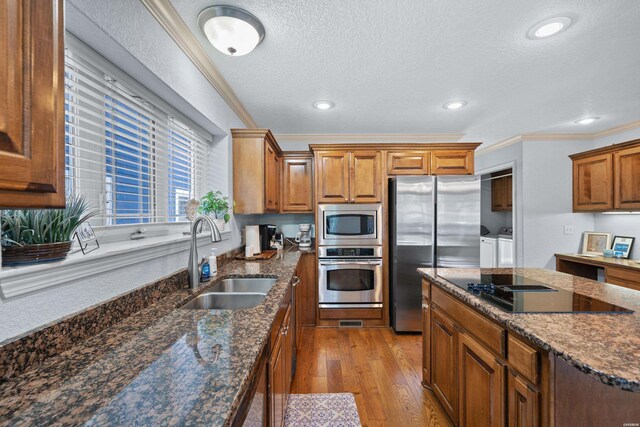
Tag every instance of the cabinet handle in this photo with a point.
(295, 281)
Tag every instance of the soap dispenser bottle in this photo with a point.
(213, 262)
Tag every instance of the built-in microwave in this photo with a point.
(350, 224)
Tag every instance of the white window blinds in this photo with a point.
(133, 160)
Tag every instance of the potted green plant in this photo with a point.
(218, 205)
(41, 235)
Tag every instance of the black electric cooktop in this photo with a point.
(518, 294)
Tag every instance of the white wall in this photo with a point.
(132, 39)
(547, 201)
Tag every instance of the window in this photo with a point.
(132, 156)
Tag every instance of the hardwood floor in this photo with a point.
(382, 370)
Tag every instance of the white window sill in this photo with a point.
(16, 281)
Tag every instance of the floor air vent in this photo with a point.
(350, 323)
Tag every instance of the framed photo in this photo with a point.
(86, 236)
(621, 246)
(594, 243)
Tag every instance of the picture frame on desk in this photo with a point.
(622, 246)
(594, 243)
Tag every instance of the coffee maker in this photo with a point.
(303, 238)
(267, 232)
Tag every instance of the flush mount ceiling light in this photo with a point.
(549, 27)
(454, 105)
(587, 120)
(231, 30)
(323, 105)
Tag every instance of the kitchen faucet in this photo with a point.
(194, 263)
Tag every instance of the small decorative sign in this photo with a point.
(621, 246)
(86, 236)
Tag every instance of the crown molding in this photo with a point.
(168, 17)
(584, 136)
(323, 138)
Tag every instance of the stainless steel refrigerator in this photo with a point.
(433, 222)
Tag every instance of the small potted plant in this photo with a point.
(41, 235)
(214, 203)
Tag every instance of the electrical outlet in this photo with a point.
(569, 229)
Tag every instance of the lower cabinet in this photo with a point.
(280, 370)
(426, 345)
(523, 401)
(481, 385)
(444, 362)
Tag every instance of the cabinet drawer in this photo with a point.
(623, 277)
(523, 359)
(426, 290)
(350, 313)
(484, 329)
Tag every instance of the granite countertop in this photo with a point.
(145, 370)
(604, 346)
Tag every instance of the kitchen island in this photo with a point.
(493, 366)
(162, 365)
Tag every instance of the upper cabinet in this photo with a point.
(408, 162)
(501, 192)
(349, 176)
(626, 167)
(32, 104)
(452, 162)
(607, 179)
(297, 182)
(256, 171)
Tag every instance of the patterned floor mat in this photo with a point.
(322, 410)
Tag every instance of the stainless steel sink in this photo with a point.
(260, 285)
(225, 301)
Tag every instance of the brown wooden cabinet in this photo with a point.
(592, 183)
(481, 385)
(452, 162)
(297, 182)
(408, 163)
(444, 372)
(256, 171)
(277, 386)
(32, 104)
(365, 184)
(626, 167)
(349, 176)
(501, 193)
(426, 345)
(332, 176)
(523, 401)
(607, 179)
(305, 293)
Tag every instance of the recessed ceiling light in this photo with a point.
(549, 27)
(587, 120)
(454, 105)
(231, 30)
(323, 105)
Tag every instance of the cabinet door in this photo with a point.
(332, 176)
(481, 385)
(523, 403)
(297, 184)
(498, 189)
(508, 192)
(426, 344)
(289, 350)
(408, 163)
(366, 177)
(592, 189)
(627, 179)
(271, 183)
(276, 383)
(32, 104)
(452, 162)
(444, 362)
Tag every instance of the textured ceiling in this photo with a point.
(389, 66)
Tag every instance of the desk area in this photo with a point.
(622, 272)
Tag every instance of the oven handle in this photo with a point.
(329, 263)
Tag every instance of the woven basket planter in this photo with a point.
(33, 254)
